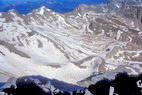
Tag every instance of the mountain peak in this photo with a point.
(12, 11)
(42, 10)
(110, 7)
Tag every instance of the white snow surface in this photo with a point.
(55, 48)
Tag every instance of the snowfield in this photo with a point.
(68, 47)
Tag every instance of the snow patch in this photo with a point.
(118, 34)
(130, 39)
(41, 11)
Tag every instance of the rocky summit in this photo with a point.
(72, 46)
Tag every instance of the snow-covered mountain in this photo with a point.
(61, 6)
(71, 46)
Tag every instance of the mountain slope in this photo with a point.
(70, 47)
